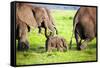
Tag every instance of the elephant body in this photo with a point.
(84, 25)
(28, 16)
(55, 42)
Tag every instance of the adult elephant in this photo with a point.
(84, 26)
(44, 20)
(28, 16)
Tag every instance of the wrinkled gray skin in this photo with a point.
(55, 42)
(27, 17)
(84, 26)
(44, 20)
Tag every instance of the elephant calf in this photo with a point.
(55, 42)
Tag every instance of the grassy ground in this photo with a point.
(37, 55)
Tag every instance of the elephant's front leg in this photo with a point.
(46, 45)
(39, 29)
(23, 42)
(46, 33)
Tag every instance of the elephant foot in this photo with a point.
(26, 45)
(20, 48)
(23, 46)
(83, 46)
(78, 48)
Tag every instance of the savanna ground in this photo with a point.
(37, 55)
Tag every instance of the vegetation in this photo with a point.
(37, 55)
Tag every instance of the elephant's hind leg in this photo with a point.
(77, 39)
(84, 44)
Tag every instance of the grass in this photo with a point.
(37, 55)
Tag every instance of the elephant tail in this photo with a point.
(75, 21)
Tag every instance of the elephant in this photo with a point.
(55, 42)
(84, 26)
(44, 20)
(27, 17)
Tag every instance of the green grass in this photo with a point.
(37, 55)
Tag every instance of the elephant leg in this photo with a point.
(60, 49)
(22, 46)
(65, 47)
(39, 29)
(60, 46)
(46, 45)
(77, 39)
(23, 42)
(19, 45)
(46, 32)
(49, 48)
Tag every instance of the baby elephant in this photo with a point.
(55, 42)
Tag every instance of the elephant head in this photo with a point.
(44, 20)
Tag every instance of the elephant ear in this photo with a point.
(25, 15)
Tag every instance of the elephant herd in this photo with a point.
(29, 16)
